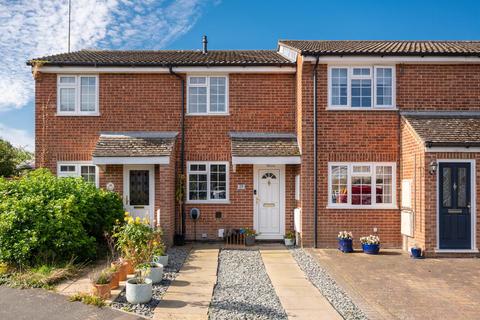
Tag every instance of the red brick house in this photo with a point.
(375, 137)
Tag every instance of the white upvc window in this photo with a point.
(358, 185)
(77, 95)
(84, 169)
(361, 87)
(207, 182)
(207, 95)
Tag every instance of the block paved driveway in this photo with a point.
(40, 304)
(394, 286)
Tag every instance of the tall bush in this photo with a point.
(48, 219)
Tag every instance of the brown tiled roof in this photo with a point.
(446, 128)
(166, 58)
(384, 47)
(135, 144)
(264, 145)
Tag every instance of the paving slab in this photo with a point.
(189, 295)
(300, 299)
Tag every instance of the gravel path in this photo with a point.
(243, 289)
(327, 286)
(176, 258)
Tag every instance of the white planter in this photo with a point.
(163, 260)
(289, 242)
(139, 293)
(156, 272)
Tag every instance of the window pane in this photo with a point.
(339, 182)
(361, 71)
(361, 190)
(88, 173)
(198, 167)
(462, 188)
(218, 182)
(384, 86)
(197, 100)
(67, 168)
(217, 94)
(361, 91)
(198, 80)
(67, 99)
(88, 93)
(384, 184)
(139, 187)
(339, 86)
(197, 187)
(67, 80)
(361, 169)
(447, 187)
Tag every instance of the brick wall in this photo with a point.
(152, 102)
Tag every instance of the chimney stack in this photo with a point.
(204, 43)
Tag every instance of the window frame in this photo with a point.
(208, 113)
(372, 77)
(78, 170)
(207, 172)
(373, 175)
(77, 87)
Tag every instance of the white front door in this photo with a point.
(138, 190)
(270, 215)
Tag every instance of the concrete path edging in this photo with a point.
(299, 297)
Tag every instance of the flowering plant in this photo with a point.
(371, 239)
(345, 235)
(156, 244)
(248, 232)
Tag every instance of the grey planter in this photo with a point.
(139, 293)
(249, 240)
(163, 260)
(156, 272)
(289, 242)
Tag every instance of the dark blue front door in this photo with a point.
(455, 203)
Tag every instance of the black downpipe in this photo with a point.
(315, 160)
(182, 149)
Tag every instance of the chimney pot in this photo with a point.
(204, 43)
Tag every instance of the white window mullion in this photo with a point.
(208, 178)
(349, 183)
(374, 184)
(208, 97)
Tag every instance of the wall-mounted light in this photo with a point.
(432, 167)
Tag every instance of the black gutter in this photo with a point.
(473, 144)
(315, 160)
(182, 148)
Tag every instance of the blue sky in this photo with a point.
(36, 27)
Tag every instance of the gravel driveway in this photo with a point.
(243, 289)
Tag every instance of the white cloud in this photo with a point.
(33, 28)
(17, 137)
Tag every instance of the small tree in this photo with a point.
(11, 159)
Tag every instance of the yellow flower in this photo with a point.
(126, 218)
(137, 219)
(130, 221)
(127, 214)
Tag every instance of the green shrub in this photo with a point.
(45, 219)
(88, 299)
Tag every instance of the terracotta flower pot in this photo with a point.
(122, 272)
(129, 266)
(115, 281)
(101, 290)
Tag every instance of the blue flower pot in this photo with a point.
(416, 253)
(371, 248)
(345, 245)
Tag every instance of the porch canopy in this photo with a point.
(135, 147)
(447, 129)
(264, 148)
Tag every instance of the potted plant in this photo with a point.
(290, 238)
(155, 272)
(158, 248)
(345, 241)
(122, 269)
(416, 252)
(114, 272)
(250, 235)
(139, 289)
(101, 284)
(370, 244)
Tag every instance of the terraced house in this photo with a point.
(374, 137)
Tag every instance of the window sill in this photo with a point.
(77, 114)
(350, 207)
(456, 251)
(330, 108)
(207, 202)
(207, 114)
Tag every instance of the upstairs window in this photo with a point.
(361, 87)
(207, 181)
(360, 185)
(77, 95)
(207, 95)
